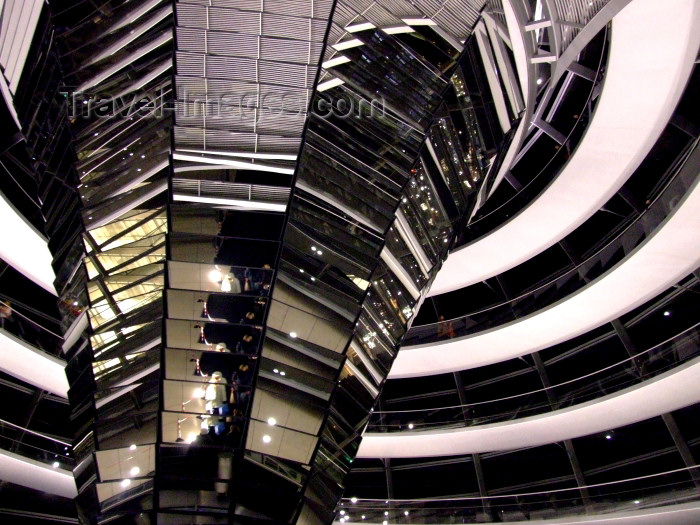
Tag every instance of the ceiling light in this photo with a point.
(539, 81)
(125, 482)
(55, 464)
(637, 502)
(386, 512)
(319, 252)
(282, 373)
(132, 447)
(215, 276)
(301, 270)
(608, 436)
(313, 248)
(405, 513)
(410, 426)
(385, 522)
(292, 335)
(191, 437)
(342, 513)
(198, 393)
(667, 314)
(363, 516)
(271, 421)
(353, 499)
(275, 371)
(134, 471)
(266, 438)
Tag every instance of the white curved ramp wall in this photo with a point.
(663, 259)
(670, 391)
(652, 51)
(31, 365)
(33, 474)
(25, 249)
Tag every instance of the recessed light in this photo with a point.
(363, 516)
(405, 513)
(292, 334)
(271, 421)
(608, 436)
(667, 314)
(319, 252)
(55, 464)
(353, 499)
(282, 373)
(385, 522)
(386, 512)
(275, 371)
(342, 513)
(410, 426)
(132, 447)
(125, 482)
(637, 502)
(134, 471)
(539, 81)
(266, 438)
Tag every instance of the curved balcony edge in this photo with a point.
(665, 393)
(21, 360)
(666, 256)
(36, 475)
(618, 138)
(679, 514)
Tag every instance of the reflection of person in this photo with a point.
(5, 314)
(257, 281)
(215, 394)
(238, 309)
(244, 373)
(445, 328)
(246, 345)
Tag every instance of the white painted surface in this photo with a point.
(663, 259)
(36, 475)
(23, 248)
(645, 79)
(33, 366)
(670, 391)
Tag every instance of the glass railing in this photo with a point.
(623, 374)
(653, 491)
(487, 221)
(35, 445)
(15, 323)
(575, 278)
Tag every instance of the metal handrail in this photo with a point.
(231, 190)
